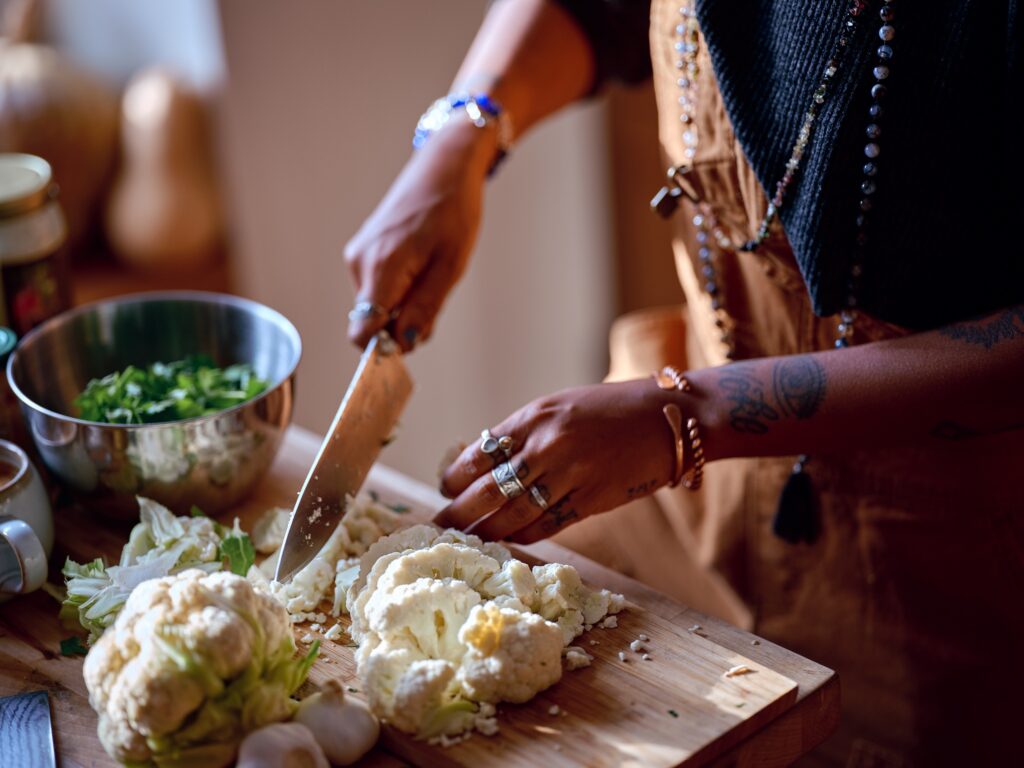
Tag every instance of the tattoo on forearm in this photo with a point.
(558, 516)
(642, 489)
(797, 391)
(951, 430)
(989, 332)
(799, 384)
(750, 411)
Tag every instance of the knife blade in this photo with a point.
(361, 427)
(26, 735)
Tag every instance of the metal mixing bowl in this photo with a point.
(210, 461)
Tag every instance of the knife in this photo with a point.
(26, 736)
(362, 426)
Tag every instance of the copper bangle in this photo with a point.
(675, 422)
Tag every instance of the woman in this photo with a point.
(844, 182)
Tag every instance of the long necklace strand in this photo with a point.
(795, 519)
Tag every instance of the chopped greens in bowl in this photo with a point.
(164, 392)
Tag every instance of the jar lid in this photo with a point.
(26, 182)
(8, 341)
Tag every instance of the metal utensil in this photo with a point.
(26, 735)
(209, 461)
(361, 427)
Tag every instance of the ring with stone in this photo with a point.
(365, 310)
(490, 444)
(508, 481)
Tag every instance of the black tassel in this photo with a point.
(796, 519)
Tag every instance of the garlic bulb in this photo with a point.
(281, 745)
(344, 728)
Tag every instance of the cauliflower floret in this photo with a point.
(193, 660)
(404, 688)
(427, 612)
(565, 600)
(513, 586)
(510, 656)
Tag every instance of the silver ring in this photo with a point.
(365, 310)
(508, 481)
(490, 444)
(538, 497)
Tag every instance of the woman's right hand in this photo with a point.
(414, 247)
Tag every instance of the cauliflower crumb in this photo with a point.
(622, 656)
(554, 709)
(610, 622)
(576, 657)
(694, 628)
(739, 669)
(315, 627)
(644, 638)
(637, 646)
(486, 720)
(307, 638)
(646, 657)
(334, 633)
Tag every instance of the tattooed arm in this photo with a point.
(955, 383)
(590, 449)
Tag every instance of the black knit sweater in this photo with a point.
(943, 237)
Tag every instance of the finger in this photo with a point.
(421, 305)
(473, 462)
(557, 517)
(516, 514)
(480, 499)
(383, 281)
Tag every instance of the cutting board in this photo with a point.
(679, 708)
(616, 713)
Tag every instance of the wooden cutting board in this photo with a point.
(616, 713)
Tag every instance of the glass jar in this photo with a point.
(33, 262)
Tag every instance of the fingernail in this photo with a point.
(411, 334)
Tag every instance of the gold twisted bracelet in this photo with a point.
(670, 378)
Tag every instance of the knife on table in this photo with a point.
(362, 426)
(26, 736)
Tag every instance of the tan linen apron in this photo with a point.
(914, 590)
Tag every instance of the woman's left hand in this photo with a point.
(585, 450)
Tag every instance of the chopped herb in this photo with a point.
(353, 690)
(374, 496)
(196, 512)
(183, 389)
(399, 509)
(673, 713)
(741, 704)
(72, 646)
(239, 553)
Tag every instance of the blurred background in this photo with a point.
(235, 145)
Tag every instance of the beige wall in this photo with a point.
(320, 101)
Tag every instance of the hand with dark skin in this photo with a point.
(530, 57)
(594, 448)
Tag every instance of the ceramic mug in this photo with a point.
(26, 524)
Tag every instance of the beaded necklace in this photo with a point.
(709, 235)
(794, 519)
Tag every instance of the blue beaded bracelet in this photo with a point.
(481, 109)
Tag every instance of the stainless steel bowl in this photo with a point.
(210, 461)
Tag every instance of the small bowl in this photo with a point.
(209, 461)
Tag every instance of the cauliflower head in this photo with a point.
(193, 662)
(448, 626)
